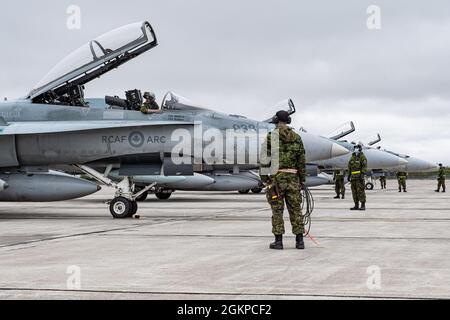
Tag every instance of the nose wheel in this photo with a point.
(124, 205)
(122, 208)
(369, 186)
(134, 209)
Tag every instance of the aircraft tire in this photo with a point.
(142, 197)
(244, 191)
(134, 209)
(163, 195)
(121, 208)
(369, 186)
(257, 190)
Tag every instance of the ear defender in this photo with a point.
(281, 116)
(275, 120)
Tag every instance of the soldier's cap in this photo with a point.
(440, 164)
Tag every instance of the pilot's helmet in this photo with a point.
(149, 96)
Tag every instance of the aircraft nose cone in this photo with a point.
(383, 160)
(432, 166)
(337, 150)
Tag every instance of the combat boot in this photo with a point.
(356, 207)
(299, 242)
(337, 197)
(343, 196)
(363, 206)
(278, 244)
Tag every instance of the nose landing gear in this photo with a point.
(124, 205)
(122, 208)
(369, 186)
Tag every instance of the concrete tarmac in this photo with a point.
(215, 246)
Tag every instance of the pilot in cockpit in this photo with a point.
(150, 105)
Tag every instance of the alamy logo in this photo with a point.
(74, 18)
(374, 17)
(74, 279)
(374, 280)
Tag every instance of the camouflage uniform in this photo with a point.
(291, 155)
(357, 168)
(383, 182)
(149, 105)
(401, 178)
(339, 183)
(441, 179)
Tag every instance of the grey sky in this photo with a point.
(243, 57)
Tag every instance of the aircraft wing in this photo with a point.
(43, 127)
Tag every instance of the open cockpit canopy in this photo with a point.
(92, 60)
(173, 101)
(285, 105)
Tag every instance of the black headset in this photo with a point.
(276, 120)
(359, 147)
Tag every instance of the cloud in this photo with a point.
(244, 56)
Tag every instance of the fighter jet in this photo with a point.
(54, 125)
(221, 177)
(410, 164)
(376, 159)
(414, 165)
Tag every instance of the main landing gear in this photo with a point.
(124, 205)
(161, 194)
(257, 190)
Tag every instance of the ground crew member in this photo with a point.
(357, 168)
(441, 178)
(284, 183)
(401, 178)
(383, 181)
(339, 183)
(150, 105)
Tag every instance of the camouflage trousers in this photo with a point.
(383, 183)
(289, 189)
(401, 184)
(441, 183)
(340, 186)
(358, 189)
